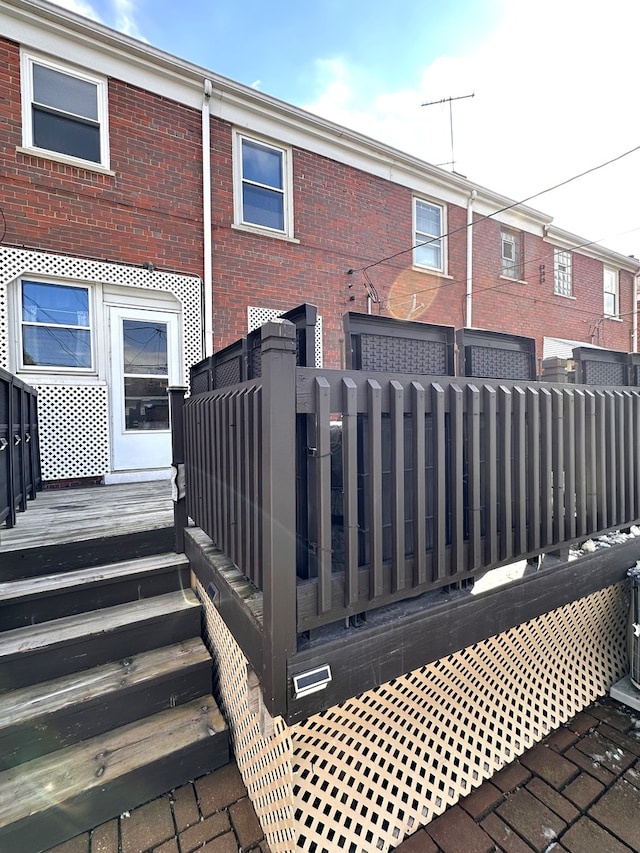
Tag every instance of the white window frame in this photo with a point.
(90, 327)
(421, 237)
(287, 189)
(510, 266)
(611, 288)
(27, 61)
(562, 272)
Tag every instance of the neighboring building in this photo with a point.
(130, 249)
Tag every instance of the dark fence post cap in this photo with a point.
(278, 334)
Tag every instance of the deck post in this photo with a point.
(178, 491)
(278, 347)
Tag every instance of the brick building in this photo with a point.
(128, 249)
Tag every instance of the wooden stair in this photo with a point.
(105, 697)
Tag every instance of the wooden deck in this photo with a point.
(59, 524)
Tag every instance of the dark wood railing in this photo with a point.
(338, 492)
(19, 447)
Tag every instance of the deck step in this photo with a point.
(55, 714)
(60, 795)
(32, 600)
(72, 643)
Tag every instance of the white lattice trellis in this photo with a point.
(74, 418)
(257, 316)
(74, 431)
(362, 775)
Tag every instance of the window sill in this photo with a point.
(431, 271)
(263, 232)
(513, 280)
(613, 317)
(564, 296)
(43, 154)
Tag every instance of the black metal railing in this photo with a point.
(20, 476)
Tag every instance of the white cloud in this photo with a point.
(554, 95)
(80, 8)
(125, 19)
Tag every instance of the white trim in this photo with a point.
(27, 62)
(149, 475)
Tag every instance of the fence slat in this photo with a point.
(557, 455)
(418, 412)
(505, 520)
(456, 404)
(621, 458)
(473, 477)
(350, 488)
(534, 494)
(490, 407)
(546, 467)
(439, 566)
(520, 493)
(581, 462)
(374, 488)
(323, 493)
(569, 426)
(591, 460)
(397, 485)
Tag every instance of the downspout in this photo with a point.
(468, 320)
(207, 284)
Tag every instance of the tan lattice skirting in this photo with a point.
(362, 775)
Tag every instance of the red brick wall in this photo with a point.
(150, 210)
(344, 219)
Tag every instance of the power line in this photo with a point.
(500, 210)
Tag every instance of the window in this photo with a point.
(263, 186)
(427, 235)
(55, 326)
(611, 293)
(510, 254)
(562, 284)
(64, 111)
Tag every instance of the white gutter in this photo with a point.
(207, 283)
(468, 318)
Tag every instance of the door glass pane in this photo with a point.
(146, 403)
(145, 347)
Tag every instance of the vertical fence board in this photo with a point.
(438, 568)
(323, 493)
(546, 468)
(581, 462)
(374, 488)
(612, 470)
(418, 412)
(396, 405)
(557, 455)
(630, 506)
(621, 458)
(490, 405)
(473, 477)
(522, 512)
(505, 520)
(601, 461)
(569, 429)
(456, 408)
(534, 493)
(350, 488)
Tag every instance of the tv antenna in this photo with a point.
(449, 101)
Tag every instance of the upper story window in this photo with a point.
(64, 111)
(263, 194)
(562, 283)
(510, 255)
(55, 326)
(611, 293)
(428, 250)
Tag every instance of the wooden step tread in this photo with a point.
(69, 628)
(51, 697)
(76, 771)
(43, 584)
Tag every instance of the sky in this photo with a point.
(554, 85)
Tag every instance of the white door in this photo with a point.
(144, 361)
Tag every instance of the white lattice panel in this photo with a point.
(264, 762)
(256, 317)
(18, 262)
(372, 770)
(74, 434)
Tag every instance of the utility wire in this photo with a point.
(500, 210)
